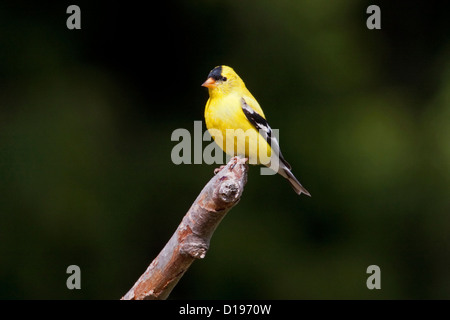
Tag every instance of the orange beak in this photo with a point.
(209, 83)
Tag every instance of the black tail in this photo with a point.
(296, 185)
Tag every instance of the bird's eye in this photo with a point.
(224, 78)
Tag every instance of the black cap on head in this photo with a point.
(216, 73)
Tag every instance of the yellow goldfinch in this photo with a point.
(231, 108)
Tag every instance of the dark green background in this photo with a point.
(86, 118)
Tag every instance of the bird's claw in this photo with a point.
(235, 161)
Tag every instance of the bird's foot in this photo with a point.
(235, 161)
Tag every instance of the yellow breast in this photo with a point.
(231, 130)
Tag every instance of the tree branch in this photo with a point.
(191, 239)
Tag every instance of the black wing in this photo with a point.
(264, 129)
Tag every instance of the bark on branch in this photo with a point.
(191, 239)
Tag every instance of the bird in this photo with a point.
(238, 125)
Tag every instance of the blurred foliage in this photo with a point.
(364, 116)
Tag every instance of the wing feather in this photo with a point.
(264, 130)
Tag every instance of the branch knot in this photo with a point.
(194, 247)
(229, 191)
